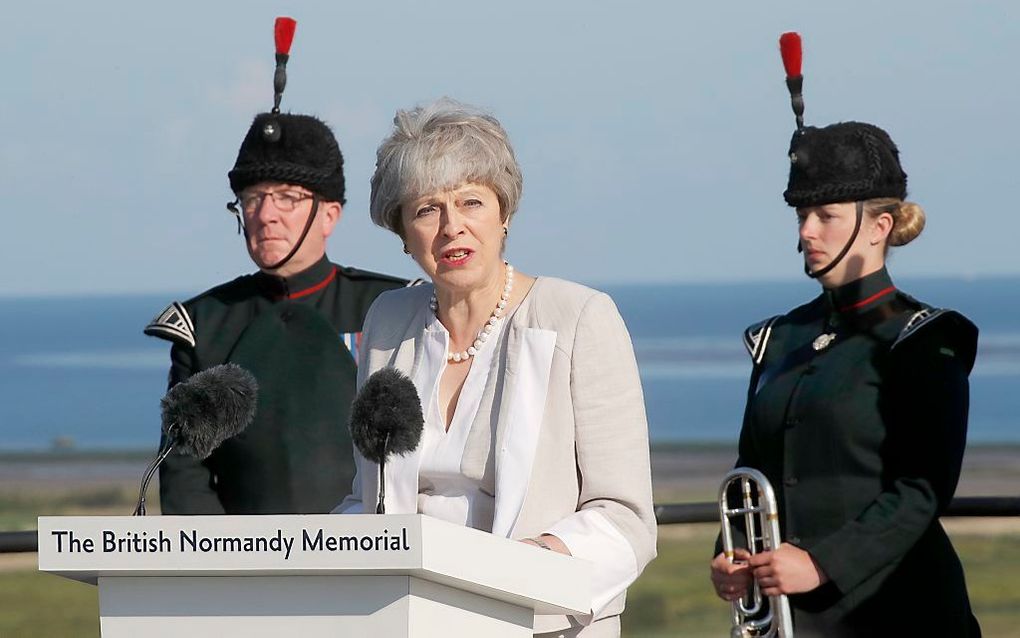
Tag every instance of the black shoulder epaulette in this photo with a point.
(415, 282)
(173, 324)
(756, 338)
(960, 333)
(357, 273)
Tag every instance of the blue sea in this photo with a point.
(78, 371)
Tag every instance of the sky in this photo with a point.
(652, 135)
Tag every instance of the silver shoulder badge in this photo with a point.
(173, 324)
(756, 338)
(919, 319)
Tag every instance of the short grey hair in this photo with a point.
(438, 147)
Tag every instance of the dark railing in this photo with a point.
(976, 506)
(669, 514)
(15, 542)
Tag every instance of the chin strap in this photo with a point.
(815, 274)
(242, 229)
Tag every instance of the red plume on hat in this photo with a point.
(793, 58)
(283, 34)
(793, 55)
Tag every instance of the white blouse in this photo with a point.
(455, 484)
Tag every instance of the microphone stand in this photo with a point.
(151, 471)
(381, 507)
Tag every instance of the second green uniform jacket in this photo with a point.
(299, 337)
(857, 414)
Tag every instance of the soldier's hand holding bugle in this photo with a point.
(731, 579)
(787, 570)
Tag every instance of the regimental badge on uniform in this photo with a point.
(173, 324)
(823, 341)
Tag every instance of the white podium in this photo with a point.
(308, 576)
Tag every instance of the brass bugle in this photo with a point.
(753, 617)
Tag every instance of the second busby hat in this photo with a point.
(290, 148)
(844, 162)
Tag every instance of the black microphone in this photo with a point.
(386, 419)
(200, 413)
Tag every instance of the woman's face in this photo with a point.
(456, 236)
(825, 230)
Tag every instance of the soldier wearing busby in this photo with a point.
(295, 324)
(857, 407)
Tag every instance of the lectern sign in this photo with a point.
(190, 540)
(320, 575)
(211, 543)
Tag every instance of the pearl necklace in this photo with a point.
(490, 325)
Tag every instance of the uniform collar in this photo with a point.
(308, 281)
(861, 295)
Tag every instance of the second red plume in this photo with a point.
(284, 34)
(790, 47)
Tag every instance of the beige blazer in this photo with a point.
(570, 434)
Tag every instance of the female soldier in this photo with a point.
(857, 411)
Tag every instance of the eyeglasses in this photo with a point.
(284, 200)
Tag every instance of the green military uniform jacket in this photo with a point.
(298, 336)
(857, 414)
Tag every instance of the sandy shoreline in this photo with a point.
(695, 471)
(680, 472)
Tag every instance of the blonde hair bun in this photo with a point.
(908, 224)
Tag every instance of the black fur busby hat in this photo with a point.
(287, 147)
(291, 148)
(844, 162)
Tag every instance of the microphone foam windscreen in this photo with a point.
(209, 407)
(386, 417)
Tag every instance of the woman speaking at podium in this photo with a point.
(857, 409)
(534, 416)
